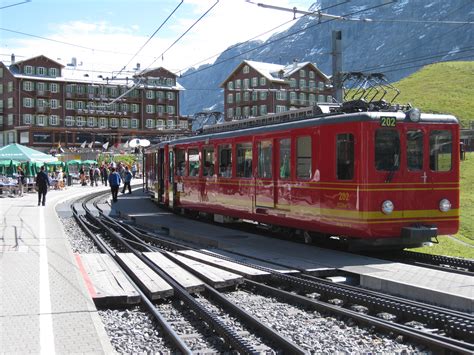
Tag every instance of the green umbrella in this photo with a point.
(89, 162)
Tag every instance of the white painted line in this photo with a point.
(45, 317)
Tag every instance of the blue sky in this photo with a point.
(114, 30)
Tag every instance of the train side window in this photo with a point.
(208, 157)
(225, 160)
(387, 150)
(265, 154)
(440, 150)
(415, 150)
(244, 160)
(285, 155)
(345, 156)
(303, 157)
(193, 161)
(180, 162)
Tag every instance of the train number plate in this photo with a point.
(388, 121)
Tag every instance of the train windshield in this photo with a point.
(440, 150)
(387, 150)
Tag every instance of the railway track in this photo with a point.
(439, 328)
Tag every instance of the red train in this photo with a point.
(374, 178)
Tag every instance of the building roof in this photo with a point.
(276, 73)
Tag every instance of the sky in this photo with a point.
(106, 34)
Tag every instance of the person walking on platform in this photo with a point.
(114, 181)
(127, 178)
(42, 183)
(21, 181)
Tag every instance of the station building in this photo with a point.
(45, 104)
(258, 88)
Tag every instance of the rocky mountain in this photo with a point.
(395, 38)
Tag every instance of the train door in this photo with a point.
(171, 184)
(283, 168)
(161, 175)
(265, 178)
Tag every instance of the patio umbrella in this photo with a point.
(23, 153)
(89, 162)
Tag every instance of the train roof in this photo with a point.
(269, 123)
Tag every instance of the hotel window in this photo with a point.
(150, 94)
(312, 99)
(27, 119)
(170, 110)
(311, 84)
(246, 83)
(134, 123)
(125, 123)
(254, 110)
(28, 69)
(302, 83)
(230, 98)
(150, 109)
(263, 109)
(293, 97)
(160, 95)
(246, 111)
(54, 103)
(80, 105)
(69, 105)
(10, 102)
(292, 82)
(329, 98)
(254, 81)
(28, 86)
(124, 107)
(280, 108)
(230, 85)
(80, 121)
(149, 123)
(113, 92)
(303, 99)
(320, 85)
(160, 109)
(41, 71)
(254, 96)
(302, 73)
(160, 124)
(10, 86)
(238, 112)
(230, 113)
(10, 119)
(237, 97)
(170, 123)
(246, 69)
(54, 87)
(263, 81)
(281, 95)
(91, 122)
(91, 90)
(69, 88)
(246, 96)
(237, 84)
(80, 89)
(53, 120)
(311, 74)
(102, 122)
(53, 72)
(28, 102)
(135, 108)
(1, 88)
(170, 95)
(263, 95)
(40, 87)
(170, 81)
(40, 120)
(114, 122)
(320, 98)
(69, 121)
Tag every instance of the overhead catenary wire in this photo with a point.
(283, 37)
(149, 39)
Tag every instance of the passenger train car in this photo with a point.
(375, 178)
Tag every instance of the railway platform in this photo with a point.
(44, 305)
(436, 287)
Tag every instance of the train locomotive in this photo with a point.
(373, 178)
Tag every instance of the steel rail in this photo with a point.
(431, 340)
(453, 322)
(276, 338)
(169, 331)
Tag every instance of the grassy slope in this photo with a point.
(443, 87)
(462, 244)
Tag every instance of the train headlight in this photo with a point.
(387, 207)
(444, 205)
(414, 114)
